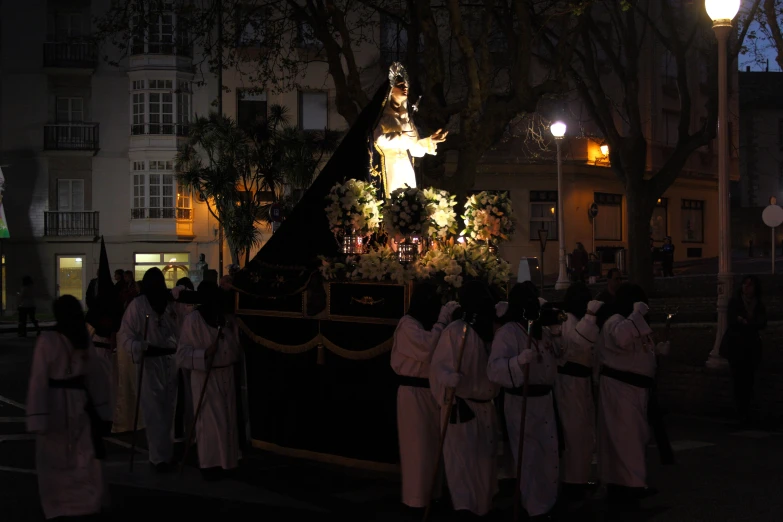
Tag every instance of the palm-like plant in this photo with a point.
(230, 168)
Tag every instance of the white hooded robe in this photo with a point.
(540, 466)
(574, 396)
(623, 429)
(159, 384)
(216, 428)
(418, 413)
(470, 448)
(70, 478)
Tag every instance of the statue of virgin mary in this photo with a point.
(395, 138)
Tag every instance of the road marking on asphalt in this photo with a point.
(18, 470)
(17, 436)
(754, 434)
(12, 402)
(12, 420)
(683, 445)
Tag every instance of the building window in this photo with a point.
(251, 108)
(67, 26)
(668, 71)
(157, 32)
(394, 40)
(306, 38)
(70, 112)
(70, 195)
(161, 34)
(659, 222)
(184, 199)
(543, 214)
(251, 26)
(692, 221)
(609, 221)
(671, 122)
(173, 266)
(313, 111)
(153, 192)
(154, 104)
(780, 134)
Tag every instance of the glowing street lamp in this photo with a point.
(558, 130)
(722, 13)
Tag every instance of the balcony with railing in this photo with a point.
(70, 55)
(71, 224)
(71, 137)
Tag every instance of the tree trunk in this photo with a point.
(639, 211)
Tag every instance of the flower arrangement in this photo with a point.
(488, 217)
(353, 207)
(407, 212)
(380, 264)
(443, 218)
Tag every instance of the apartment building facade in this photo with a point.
(88, 149)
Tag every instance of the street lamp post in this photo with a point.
(722, 13)
(558, 130)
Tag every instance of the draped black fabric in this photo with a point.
(105, 313)
(305, 234)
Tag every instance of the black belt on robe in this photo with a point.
(99, 428)
(99, 344)
(461, 412)
(654, 413)
(159, 351)
(573, 369)
(415, 382)
(533, 390)
(630, 378)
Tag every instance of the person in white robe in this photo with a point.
(199, 350)
(418, 413)
(574, 393)
(181, 311)
(628, 356)
(156, 352)
(540, 467)
(470, 448)
(396, 136)
(67, 374)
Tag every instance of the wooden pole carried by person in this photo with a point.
(138, 395)
(192, 429)
(521, 446)
(450, 394)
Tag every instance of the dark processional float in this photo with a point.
(318, 305)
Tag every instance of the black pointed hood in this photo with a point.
(106, 315)
(305, 234)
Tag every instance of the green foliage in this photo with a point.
(240, 173)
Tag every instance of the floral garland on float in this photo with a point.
(414, 215)
(354, 213)
(489, 218)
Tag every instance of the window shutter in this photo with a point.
(64, 195)
(77, 195)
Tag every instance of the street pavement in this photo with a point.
(721, 475)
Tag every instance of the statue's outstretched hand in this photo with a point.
(439, 136)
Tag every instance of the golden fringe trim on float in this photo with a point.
(317, 342)
(326, 457)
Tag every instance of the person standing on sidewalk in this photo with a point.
(741, 344)
(418, 414)
(26, 307)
